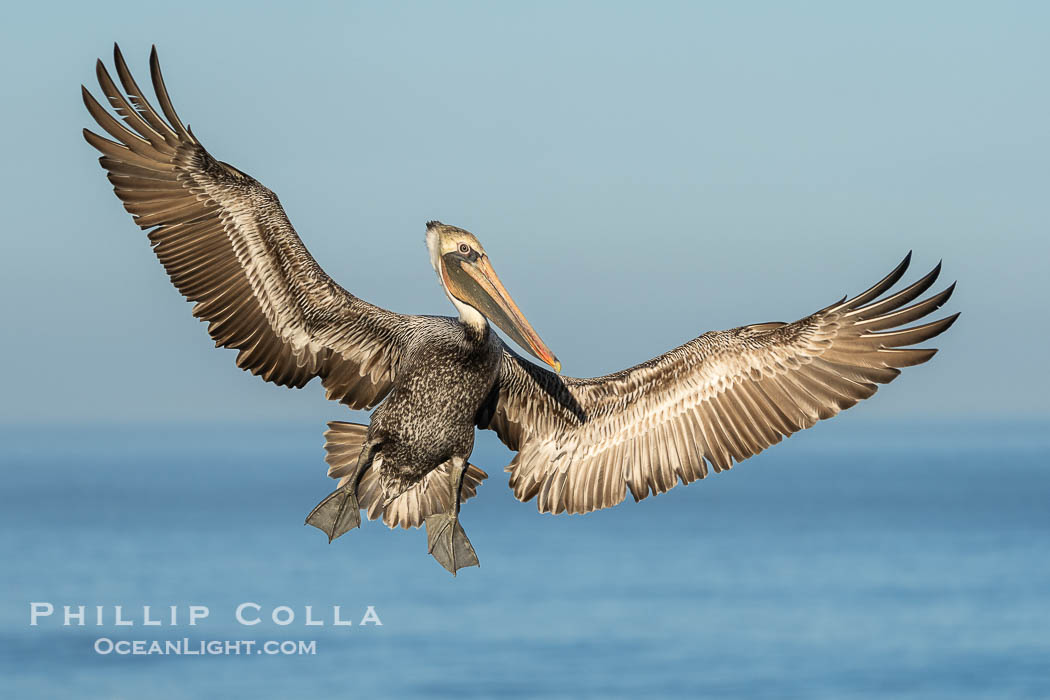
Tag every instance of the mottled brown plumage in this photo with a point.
(227, 246)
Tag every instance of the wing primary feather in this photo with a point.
(127, 138)
(118, 168)
(121, 152)
(908, 313)
(163, 99)
(913, 335)
(880, 287)
(138, 98)
(905, 357)
(130, 115)
(900, 298)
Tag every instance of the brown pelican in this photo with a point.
(581, 444)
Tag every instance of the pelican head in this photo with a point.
(473, 287)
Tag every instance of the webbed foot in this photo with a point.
(447, 541)
(337, 514)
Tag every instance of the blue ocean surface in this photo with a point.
(854, 561)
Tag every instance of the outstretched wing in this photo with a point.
(716, 400)
(227, 245)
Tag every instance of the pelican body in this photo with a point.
(582, 444)
(428, 419)
(426, 423)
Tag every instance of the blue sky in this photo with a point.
(638, 173)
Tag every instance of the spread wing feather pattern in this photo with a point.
(712, 402)
(228, 246)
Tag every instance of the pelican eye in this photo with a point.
(464, 248)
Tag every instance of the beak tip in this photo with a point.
(557, 366)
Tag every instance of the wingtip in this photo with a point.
(943, 296)
(945, 323)
(902, 268)
(103, 76)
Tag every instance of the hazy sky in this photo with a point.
(639, 174)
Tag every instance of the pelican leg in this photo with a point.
(446, 539)
(340, 512)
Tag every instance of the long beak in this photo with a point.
(475, 283)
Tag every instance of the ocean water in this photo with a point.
(855, 561)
